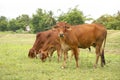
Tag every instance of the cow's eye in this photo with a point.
(67, 27)
(55, 26)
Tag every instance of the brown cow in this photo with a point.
(52, 44)
(41, 38)
(45, 44)
(84, 36)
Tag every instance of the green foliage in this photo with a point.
(42, 20)
(15, 64)
(73, 16)
(12, 26)
(3, 23)
(22, 21)
(111, 22)
(19, 23)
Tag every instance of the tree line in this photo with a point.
(43, 20)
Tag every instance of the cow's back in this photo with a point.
(88, 34)
(53, 40)
(41, 37)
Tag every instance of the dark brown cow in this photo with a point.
(41, 38)
(82, 36)
(52, 44)
(45, 44)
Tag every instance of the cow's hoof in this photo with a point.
(95, 66)
(63, 67)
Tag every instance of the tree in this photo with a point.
(110, 21)
(12, 25)
(117, 22)
(50, 20)
(42, 20)
(3, 23)
(19, 23)
(73, 16)
(22, 21)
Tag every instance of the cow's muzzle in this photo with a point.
(61, 35)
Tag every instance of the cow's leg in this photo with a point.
(102, 58)
(76, 55)
(97, 55)
(65, 58)
(50, 53)
(59, 55)
(72, 54)
(101, 61)
(50, 56)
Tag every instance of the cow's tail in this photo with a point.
(102, 51)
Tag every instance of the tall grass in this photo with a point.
(15, 64)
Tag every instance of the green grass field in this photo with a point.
(15, 64)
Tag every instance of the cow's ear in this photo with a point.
(41, 50)
(53, 28)
(68, 27)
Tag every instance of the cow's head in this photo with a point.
(62, 28)
(32, 53)
(43, 54)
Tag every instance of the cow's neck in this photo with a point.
(64, 45)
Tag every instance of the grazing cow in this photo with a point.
(41, 38)
(45, 44)
(82, 36)
(51, 44)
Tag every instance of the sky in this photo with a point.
(93, 8)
